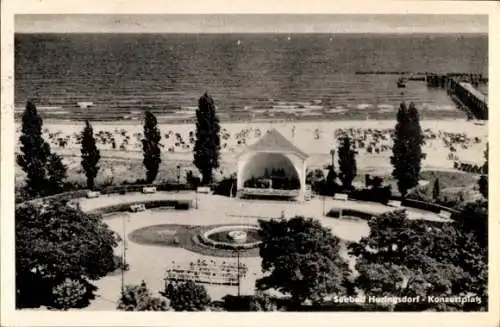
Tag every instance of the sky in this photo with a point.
(251, 23)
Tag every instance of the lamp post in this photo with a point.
(324, 205)
(124, 253)
(238, 269)
(178, 174)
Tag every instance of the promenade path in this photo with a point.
(149, 263)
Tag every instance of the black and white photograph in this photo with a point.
(251, 162)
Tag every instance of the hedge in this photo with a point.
(176, 204)
(123, 189)
(380, 195)
(427, 206)
(335, 213)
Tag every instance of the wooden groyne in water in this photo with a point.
(427, 76)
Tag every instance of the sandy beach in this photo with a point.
(119, 143)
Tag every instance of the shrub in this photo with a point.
(139, 298)
(187, 296)
(226, 187)
(335, 213)
(118, 262)
(259, 302)
(379, 194)
(71, 294)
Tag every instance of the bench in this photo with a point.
(395, 204)
(93, 194)
(444, 214)
(137, 207)
(74, 204)
(203, 189)
(149, 190)
(340, 196)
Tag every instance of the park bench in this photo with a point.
(340, 196)
(444, 214)
(149, 190)
(203, 189)
(137, 207)
(93, 194)
(394, 204)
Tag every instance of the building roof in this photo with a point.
(274, 141)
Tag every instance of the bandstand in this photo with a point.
(272, 167)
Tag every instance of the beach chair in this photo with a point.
(147, 190)
(93, 194)
(137, 207)
(340, 196)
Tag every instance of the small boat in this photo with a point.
(401, 82)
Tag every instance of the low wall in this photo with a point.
(123, 189)
(416, 204)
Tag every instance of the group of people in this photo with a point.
(207, 271)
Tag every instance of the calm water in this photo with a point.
(127, 73)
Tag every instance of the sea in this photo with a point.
(119, 76)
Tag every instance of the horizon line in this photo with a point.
(259, 33)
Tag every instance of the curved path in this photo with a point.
(149, 262)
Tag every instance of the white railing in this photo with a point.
(269, 191)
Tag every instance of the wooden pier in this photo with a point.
(461, 87)
(468, 98)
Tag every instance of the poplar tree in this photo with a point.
(45, 171)
(436, 190)
(90, 155)
(56, 173)
(151, 146)
(207, 145)
(407, 148)
(347, 162)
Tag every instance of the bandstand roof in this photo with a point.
(274, 141)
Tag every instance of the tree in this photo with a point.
(302, 259)
(485, 165)
(483, 185)
(347, 162)
(139, 298)
(436, 190)
(407, 148)
(56, 242)
(90, 154)
(56, 173)
(187, 296)
(330, 186)
(207, 145)
(151, 146)
(483, 180)
(35, 151)
(71, 294)
(403, 257)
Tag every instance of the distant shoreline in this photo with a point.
(55, 121)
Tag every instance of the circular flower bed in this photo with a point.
(191, 239)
